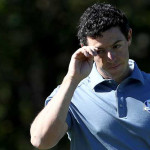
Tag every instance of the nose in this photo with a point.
(110, 56)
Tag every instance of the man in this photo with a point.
(106, 108)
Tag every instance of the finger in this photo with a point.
(86, 53)
(91, 50)
(82, 53)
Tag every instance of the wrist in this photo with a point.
(72, 79)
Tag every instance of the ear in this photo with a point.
(129, 37)
(81, 44)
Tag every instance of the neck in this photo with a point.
(118, 79)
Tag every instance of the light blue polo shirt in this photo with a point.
(106, 116)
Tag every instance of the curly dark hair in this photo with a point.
(99, 18)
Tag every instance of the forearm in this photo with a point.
(49, 126)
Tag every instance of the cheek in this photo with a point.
(99, 61)
(125, 54)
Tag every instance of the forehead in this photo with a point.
(108, 37)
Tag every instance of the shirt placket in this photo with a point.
(121, 103)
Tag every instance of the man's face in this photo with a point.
(113, 55)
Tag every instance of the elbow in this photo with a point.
(42, 144)
(46, 138)
(36, 143)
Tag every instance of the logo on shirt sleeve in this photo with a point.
(147, 105)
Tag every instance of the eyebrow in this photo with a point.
(112, 44)
(117, 42)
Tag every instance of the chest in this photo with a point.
(113, 111)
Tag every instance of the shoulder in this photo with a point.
(84, 83)
(146, 76)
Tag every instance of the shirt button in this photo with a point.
(119, 90)
(121, 98)
(121, 105)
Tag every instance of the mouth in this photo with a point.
(114, 66)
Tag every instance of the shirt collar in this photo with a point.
(136, 72)
(95, 78)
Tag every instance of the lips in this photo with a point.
(114, 66)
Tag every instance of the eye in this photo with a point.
(116, 46)
(101, 51)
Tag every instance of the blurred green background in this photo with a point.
(37, 39)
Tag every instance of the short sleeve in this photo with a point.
(68, 119)
(51, 95)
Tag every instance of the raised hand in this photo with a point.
(81, 62)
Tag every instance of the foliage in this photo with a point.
(37, 39)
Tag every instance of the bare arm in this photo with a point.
(50, 124)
